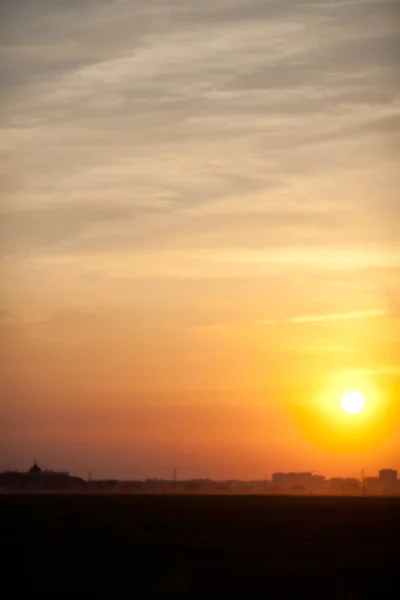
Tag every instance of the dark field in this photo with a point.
(202, 546)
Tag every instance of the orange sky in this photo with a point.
(200, 239)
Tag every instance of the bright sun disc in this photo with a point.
(352, 402)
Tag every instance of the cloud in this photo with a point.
(206, 124)
(362, 314)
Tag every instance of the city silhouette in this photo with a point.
(38, 479)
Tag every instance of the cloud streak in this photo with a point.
(361, 314)
(200, 139)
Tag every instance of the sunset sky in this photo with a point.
(200, 235)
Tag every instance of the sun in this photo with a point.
(352, 402)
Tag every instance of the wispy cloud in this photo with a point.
(243, 137)
(361, 314)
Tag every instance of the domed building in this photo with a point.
(37, 479)
(35, 469)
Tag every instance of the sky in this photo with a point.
(199, 235)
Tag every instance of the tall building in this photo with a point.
(388, 480)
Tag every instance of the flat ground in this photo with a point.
(199, 546)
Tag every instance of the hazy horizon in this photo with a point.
(200, 242)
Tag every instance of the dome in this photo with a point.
(35, 469)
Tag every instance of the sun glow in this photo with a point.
(353, 412)
(352, 402)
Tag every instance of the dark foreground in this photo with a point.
(201, 546)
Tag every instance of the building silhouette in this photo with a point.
(372, 485)
(37, 479)
(35, 469)
(306, 482)
(388, 480)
